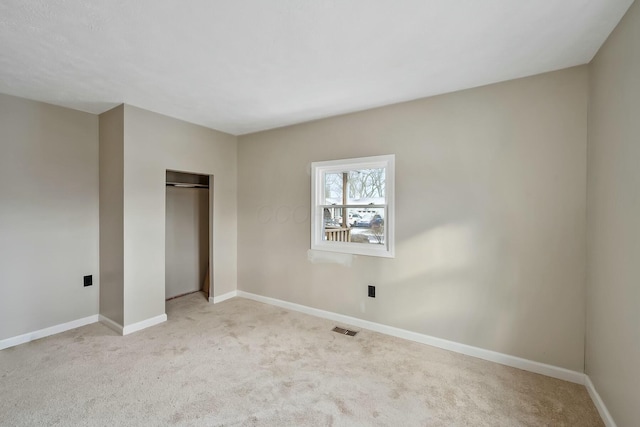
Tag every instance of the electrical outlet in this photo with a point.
(372, 291)
(88, 280)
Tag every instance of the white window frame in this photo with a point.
(318, 203)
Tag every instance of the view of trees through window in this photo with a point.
(361, 184)
(357, 214)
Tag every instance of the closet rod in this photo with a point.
(186, 185)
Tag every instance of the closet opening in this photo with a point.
(187, 234)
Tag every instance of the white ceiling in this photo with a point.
(246, 65)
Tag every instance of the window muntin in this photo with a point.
(352, 206)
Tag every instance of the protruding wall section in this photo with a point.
(112, 215)
(153, 144)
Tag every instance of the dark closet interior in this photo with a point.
(187, 234)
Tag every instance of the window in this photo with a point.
(352, 207)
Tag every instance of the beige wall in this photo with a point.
(48, 215)
(613, 285)
(111, 214)
(490, 208)
(186, 239)
(153, 144)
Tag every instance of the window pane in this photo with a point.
(367, 225)
(363, 225)
(333, 188)
(333, 218)
(366, 186)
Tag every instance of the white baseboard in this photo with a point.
(135, 327)
(138, 326)
(597, 401)
(504, 359)
(114, 326)
(223, 297)
(52, 330)
(31, 336)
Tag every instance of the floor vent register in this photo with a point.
(344, 331)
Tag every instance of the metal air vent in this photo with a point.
(344, 331)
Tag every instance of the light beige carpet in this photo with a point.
(242, 363)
